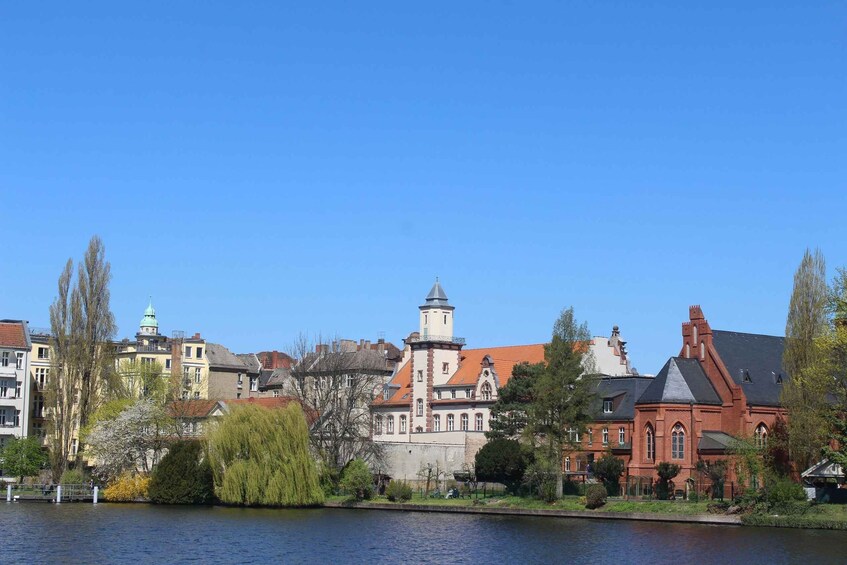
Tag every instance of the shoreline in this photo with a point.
(710, 519)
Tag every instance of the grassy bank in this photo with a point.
(567, 503)
(823, 516)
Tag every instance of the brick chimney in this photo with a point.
(696, 334)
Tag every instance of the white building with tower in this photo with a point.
(437, 405)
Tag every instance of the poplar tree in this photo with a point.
(804, 395)
(81, 374)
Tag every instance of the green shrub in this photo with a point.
(183, 476)
(595, 496)
(357, 481)
(74, 477)
(501, 461)
(571, 488)
(399, 491)
(541, 475)
(779, 490)
(666, 471)
(608, 469)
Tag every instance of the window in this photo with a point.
(438, 394)
(694, 333)
(468, 393)
(573, 436)
(403, 424)
(453, 393)
(17, 418)
(621, 436)
(607, 406)
(486, 391)
(419, 404)
(4, 389)
(651, 444)
(702, 351)
(43, 353)
(187, 352)
(445, 318)
(761, 436)
(445, 368)
(420, 376)
(590, 436)
(167, 363)
(196, 394)
(19, 362)
(254, 384)
(197, 376)
(4, 360)
(605, 436)
(276, 394)
(478, 420)
(436, 423)
(194, 426)
(237, 395)
(687, 351)
(2, 416)
(41, 376)
(678, 442)
(378, 426)
(389, 428)
(199, 353)
(450, 422)
(38, 407)
(464, 422)
(567, 464)
(17, 389)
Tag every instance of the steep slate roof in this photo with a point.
(221, 357)
(14, 334)
(275, 379)
(264, 377)
(436, 297)
(504, 358)
(680, 381)
(251, 361)
(624, 392)
(755, 358)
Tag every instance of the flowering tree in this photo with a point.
(133, 441)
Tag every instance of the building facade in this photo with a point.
(15, 384)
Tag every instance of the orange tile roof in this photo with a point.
(12, 334)
(191, 408)
(504, 359)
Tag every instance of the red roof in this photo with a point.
(470, 365)
(12, 334)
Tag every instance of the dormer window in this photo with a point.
(607, 406)
(747, 378)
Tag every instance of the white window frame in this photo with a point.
(436, 423)
(451, 422)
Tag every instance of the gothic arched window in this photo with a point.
(651, 443)
(420, 406)
(761, 436)
(485, 391)
(678, 442)
(378, 425)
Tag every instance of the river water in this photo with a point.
(139, 533)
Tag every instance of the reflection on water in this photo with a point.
(117, 533)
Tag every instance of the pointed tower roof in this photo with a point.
(436, 298)
(149, 319)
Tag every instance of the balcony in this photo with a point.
(437, 339)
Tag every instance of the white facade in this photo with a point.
(14, 380)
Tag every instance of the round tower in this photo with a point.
(149, 325)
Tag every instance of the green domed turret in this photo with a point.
(148, 322)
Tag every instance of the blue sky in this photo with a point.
(265, 169)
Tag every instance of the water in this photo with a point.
(138, 533)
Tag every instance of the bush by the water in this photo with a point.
(667, 472)
(357, 481)
(261, 457)
(399, 491)
(127, 488)
(595, 496)
(183, 476)
(74, 477)
(501, 461)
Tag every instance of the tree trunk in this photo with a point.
(559, 485)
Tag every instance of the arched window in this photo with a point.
(464, 422)
(378, 425)
(694, 333)
(687, 351)
(403, 424)
(567, 464)
(651, 443)
(420, 406)
(390, 426)
(478, 419)
(678, 442)
(485, 391)
(761, 436)
(621, 436)
(702, 351)
(450, 422)
(436, 423)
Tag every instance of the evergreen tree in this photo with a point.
(562, 397)
(510, 412)
(804, 395)
(502, 461)
(260, 457)
(183, 476)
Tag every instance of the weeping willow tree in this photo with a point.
(261, 457)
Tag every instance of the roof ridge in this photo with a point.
(749, 333)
